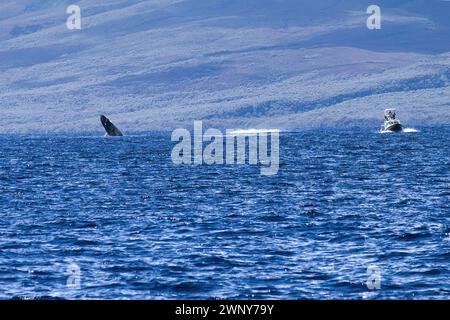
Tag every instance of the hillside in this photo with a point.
(158, 65)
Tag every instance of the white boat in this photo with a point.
(391, 123)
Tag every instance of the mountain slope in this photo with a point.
(157, 65)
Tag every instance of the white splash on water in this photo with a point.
(253, 131)
(405, 130)
(410, 130)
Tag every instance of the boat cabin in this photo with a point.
(390, 114)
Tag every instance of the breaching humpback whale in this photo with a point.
(111, 129)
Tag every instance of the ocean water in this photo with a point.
(344, 203)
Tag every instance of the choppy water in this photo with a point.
(140, 227)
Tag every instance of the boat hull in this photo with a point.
(396, 127)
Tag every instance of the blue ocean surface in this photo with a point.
(344, 203)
